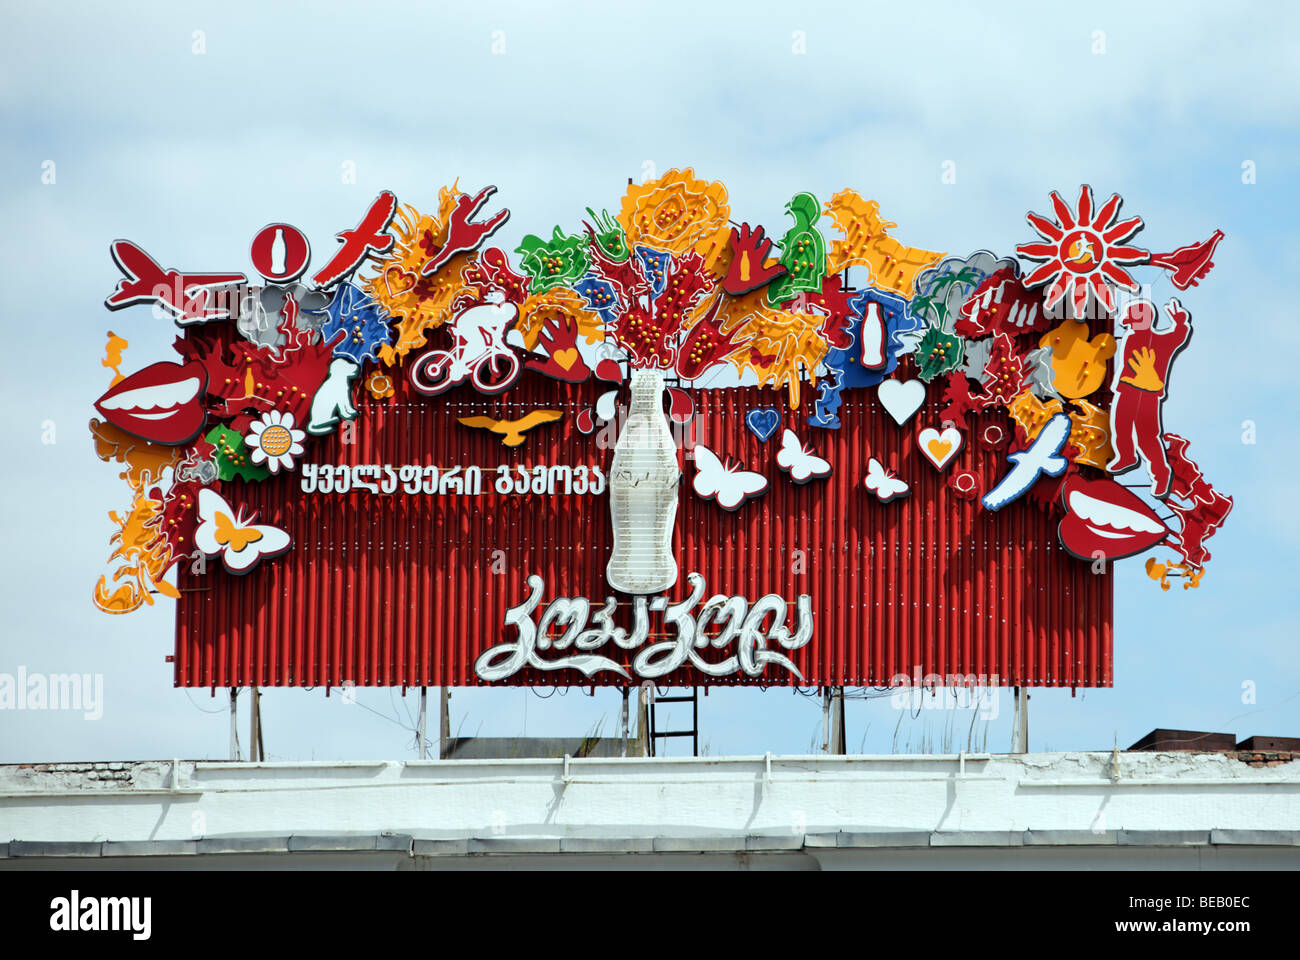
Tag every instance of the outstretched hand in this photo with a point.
(1144, 376)
(1176, 312)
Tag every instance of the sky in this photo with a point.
(187, 127)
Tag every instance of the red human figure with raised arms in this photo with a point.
(1141, 383)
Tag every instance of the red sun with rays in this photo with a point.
(1084, 252)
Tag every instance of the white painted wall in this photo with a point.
(1096, 804)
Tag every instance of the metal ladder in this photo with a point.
(694, 732)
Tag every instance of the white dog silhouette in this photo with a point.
(333, 400)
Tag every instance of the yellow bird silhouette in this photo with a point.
(512, 431)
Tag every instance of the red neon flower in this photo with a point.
(1083, 253)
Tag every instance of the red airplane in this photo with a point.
(185, 295)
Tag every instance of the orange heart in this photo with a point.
(938, 449)
(566, 358)
(405, 280)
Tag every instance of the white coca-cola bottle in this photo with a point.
(643, 486)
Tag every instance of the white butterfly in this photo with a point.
(727, 483)
(800, 461)
(884, 483)
(240, 543)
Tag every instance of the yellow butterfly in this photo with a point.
(236, 538)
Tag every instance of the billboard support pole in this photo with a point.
(833, 720)
(838, 745)
(234, 717)
(1020, 721)
(826, 719)
(424, 714)
(623, 731)
(255, 727)
(444, 723)
(644, 693)
(261, 731)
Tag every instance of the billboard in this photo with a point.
(658, 445)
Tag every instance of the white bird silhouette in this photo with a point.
(1042, 456)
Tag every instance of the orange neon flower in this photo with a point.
(677, 213)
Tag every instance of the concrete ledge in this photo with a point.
(791, 841)
(394, 842)
(244, 845)
(977, 838)
(439, 848)
(699, 844)
(150, 848)
(606, 845)
(328, 844)
(1164, 838)
(906, 838)
(858, 811)
(775, 843)
(1271, 838)
(514, 845)
(1071, 838)
(1164, 800)
(40, 848)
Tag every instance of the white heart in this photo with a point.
(901, 398)
(950, 436)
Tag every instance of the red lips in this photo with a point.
(1103, 520)
(163, 403)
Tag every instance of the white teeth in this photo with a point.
(1110, 515)
(1108, 534)
(165, 396)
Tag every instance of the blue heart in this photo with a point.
(763, 422)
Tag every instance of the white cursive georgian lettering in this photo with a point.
(740, 624)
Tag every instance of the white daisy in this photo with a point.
(274, 441)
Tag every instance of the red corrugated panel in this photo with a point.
(409, 589)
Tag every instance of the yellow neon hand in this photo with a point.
(1144, 376)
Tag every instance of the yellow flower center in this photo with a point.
(276, 440)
